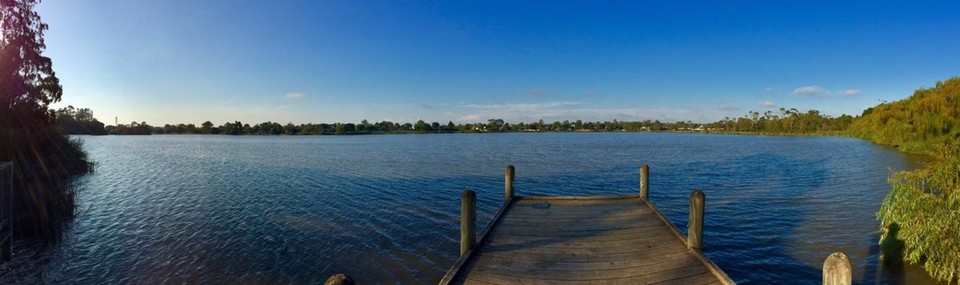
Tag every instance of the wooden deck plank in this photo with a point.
(598, 215)
(655, 252)
(699, 279)
(583, 240)
(669, 269)
(556, 208)
(590, 264)
(598, 226)
(534, 217)
(559, 232)
(562, 247)
(619, 235)
(672, 273)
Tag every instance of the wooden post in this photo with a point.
(695, 227)
(339, 279)
(508, 183)
(644, 182)
(6, 217)
(837, 270)
(468, 220)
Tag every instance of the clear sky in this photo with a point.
(468, 61)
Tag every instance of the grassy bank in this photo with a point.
(921, 214)
(42, 159)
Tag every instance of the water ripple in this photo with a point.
(385, 209)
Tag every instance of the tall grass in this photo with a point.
(43, 157)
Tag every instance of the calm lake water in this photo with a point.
(384, 208)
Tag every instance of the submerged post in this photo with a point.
(339, 279)
(644, 182)
(508, 183)
(695, 227)
(837, 270)
(468, 219)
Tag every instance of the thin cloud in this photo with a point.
(536, 92)
(768, 104)
(521, 107)
(727, 107)
(425, 106)
(468, 118)
(850, 93)
(812, 90)
(567, 110)
(295, 95)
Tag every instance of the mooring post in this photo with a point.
(468, 219)
(644, 182)
(695, 227)
(837, 270)
(508, 183)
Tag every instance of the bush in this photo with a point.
(42, 158)
(921, 216)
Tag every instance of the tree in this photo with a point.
(422, 126)
(235, 128)
(291, 129)
(78, 121)
(206, 127)
(493, 125)
(28, 82)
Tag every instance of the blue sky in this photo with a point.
(469, 61)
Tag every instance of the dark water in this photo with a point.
(384, 209)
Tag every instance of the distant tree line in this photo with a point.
(787, 121)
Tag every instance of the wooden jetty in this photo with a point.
(581, 240)
(589, 240)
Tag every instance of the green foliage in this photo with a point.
(41, 158)
(235, 128)
(42, 155)
(929, 118)
(923, 211)
(26, 76)
(79, 121)
(921, 214)
(134, 128)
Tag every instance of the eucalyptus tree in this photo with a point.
(28, 84)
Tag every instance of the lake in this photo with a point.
(384, 208)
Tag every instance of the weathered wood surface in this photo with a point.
(645, 182)
(582, 240)
(468, 221)
(695, 225)
(837, 270)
